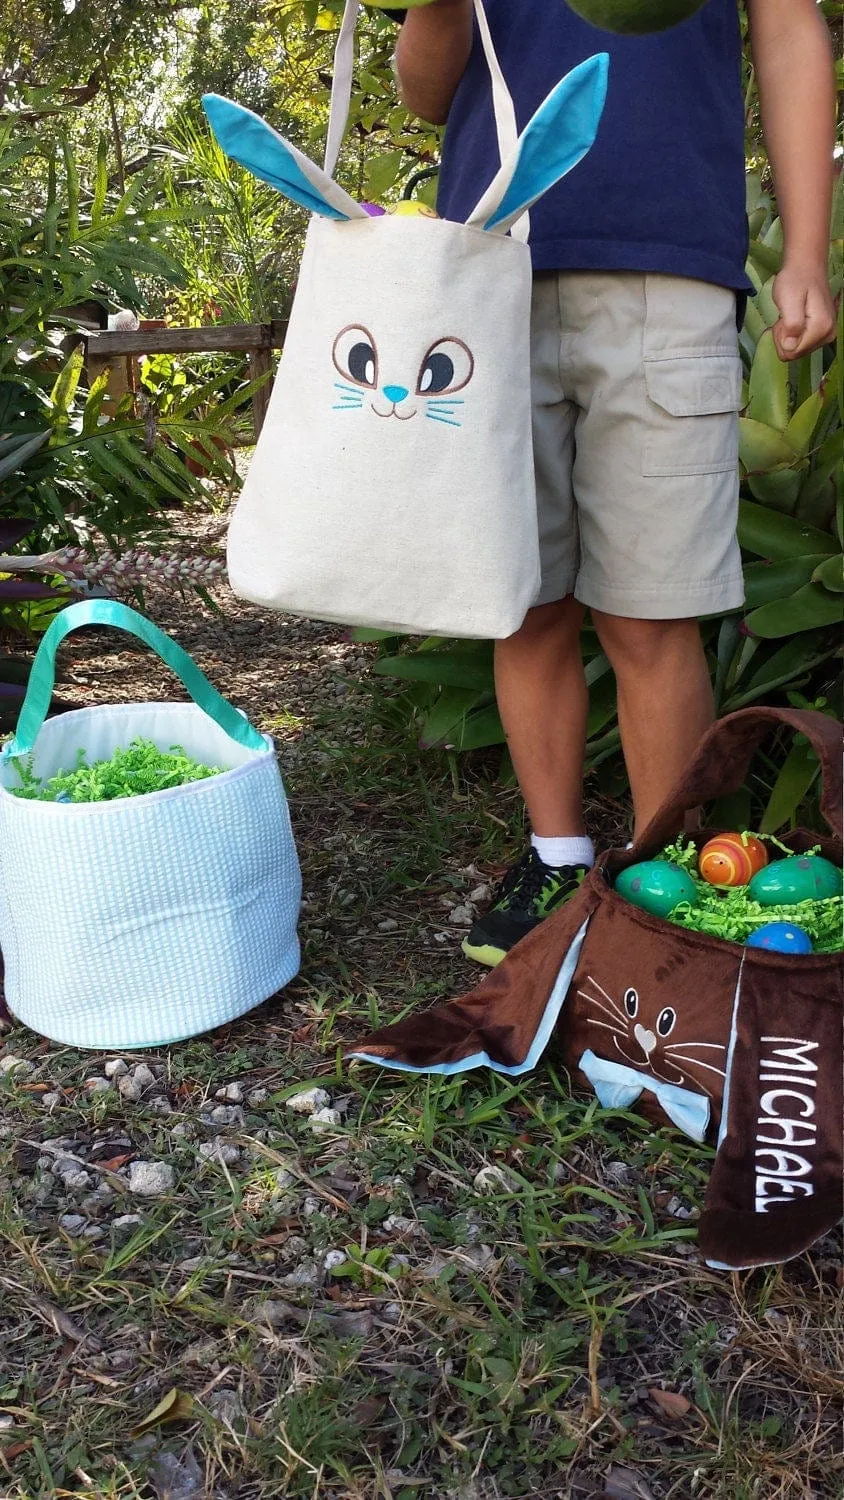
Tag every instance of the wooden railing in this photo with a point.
(117, 351)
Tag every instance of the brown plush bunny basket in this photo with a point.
(739, 1046)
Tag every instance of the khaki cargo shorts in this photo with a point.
(636, 384)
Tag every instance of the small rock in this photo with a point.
(7, 1421)
(227, 1114)
(398, 1224)
(311, 1206)
(272, 1314)
(126, 1224)
(479, 1255)
(284, 1179)
(97, 1086)
(306, 1274)
(479, 894)
(50, 1100)
(323, 1121)
(294, 1247)
(225, 1405)
(72, 1224)
(76, 1180)
(151, 1179)
(491, 1179)
(389, 924)
(335, 1258)
(128, 1088)
(561, 1172)
(618, 1172)
(391, 1312)
(461, 916)
(180, 1131)
(220, 1151)
(115, 1068)
(143, 1076)
(18, 1065)
(308, 1101)
(231, 1094)
(93, 1232)
(257, 1096)
(161, 1105)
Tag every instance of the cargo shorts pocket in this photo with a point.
(692, 418)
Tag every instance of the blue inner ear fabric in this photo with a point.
(247, 138)
(558, 135)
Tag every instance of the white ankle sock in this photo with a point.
(564, 851)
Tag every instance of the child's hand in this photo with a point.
(806, 310)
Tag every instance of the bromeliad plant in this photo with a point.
(785, 643)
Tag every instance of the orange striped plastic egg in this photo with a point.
(732, 859)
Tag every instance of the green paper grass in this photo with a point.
(132, 772)
(728, 912)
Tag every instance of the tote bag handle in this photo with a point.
(723, 756)
(108, 612)
(504, 110)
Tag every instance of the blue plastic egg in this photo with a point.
(780, 937)
(802, 877)
(657, 886)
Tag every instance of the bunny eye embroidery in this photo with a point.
(665, 1021)
(631, 1002)
(355, 357)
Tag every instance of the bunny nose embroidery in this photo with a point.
(395, 393)
(646, 1039)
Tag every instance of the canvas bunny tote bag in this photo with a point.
(392, 485)
(737, 1046)
(142, 920)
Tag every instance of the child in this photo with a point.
(639, 289)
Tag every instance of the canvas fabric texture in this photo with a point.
(392, 485)
(145, 920)
(739, 1047)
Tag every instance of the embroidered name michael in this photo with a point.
(788, 1079)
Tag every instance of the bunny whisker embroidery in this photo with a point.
(605, 1026)
(686, 1046)
(612, 1003)
(434, 416)
(592, 1000)
(694, 1062)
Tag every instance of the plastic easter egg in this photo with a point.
(802, 877)
(780, 937)
(732, 859)
(657, 886)
(408, 208)
(375, 210)
(634, 17)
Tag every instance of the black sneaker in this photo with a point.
(528, 893)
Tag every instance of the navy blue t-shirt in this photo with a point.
(662, 189)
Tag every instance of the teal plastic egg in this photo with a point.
(657, 886)
(781, 937)
(802, 877)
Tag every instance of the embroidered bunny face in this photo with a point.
(432, 388)
(645, 1030)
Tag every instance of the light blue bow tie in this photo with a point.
(617, 1087)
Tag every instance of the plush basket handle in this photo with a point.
(108, 612)
(723, 757)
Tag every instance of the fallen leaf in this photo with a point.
(14, 1450)
(625, 1484)
(59, 1321)
(176, 1406)
(116, 1161)
(670, 1402)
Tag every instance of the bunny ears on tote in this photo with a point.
(554, 140)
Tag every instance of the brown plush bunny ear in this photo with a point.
(503, 1023)
(776, 1184)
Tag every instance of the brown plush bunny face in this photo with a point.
(648, 1028)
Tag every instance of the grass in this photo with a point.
(548, 1331)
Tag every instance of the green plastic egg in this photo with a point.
(635, 17)
(802, 877)
(657, 886)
